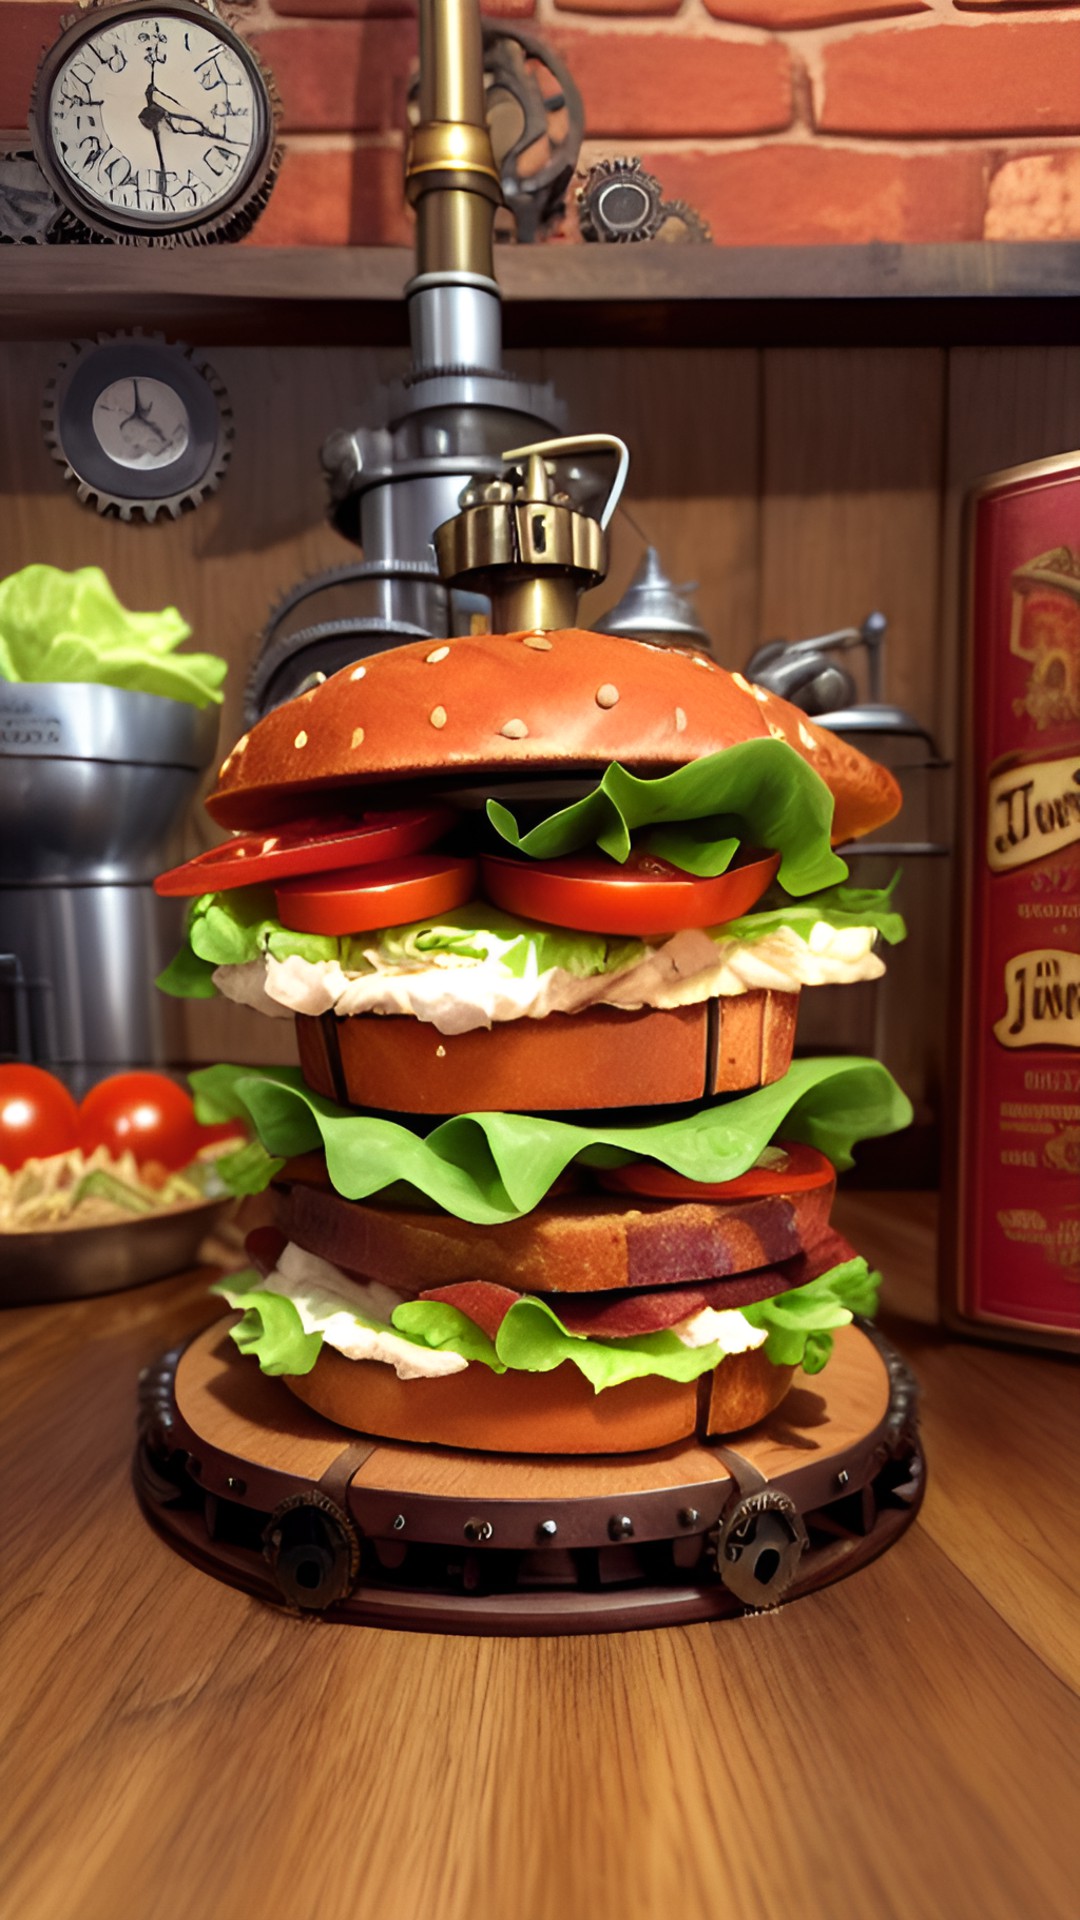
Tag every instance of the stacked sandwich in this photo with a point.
(547, 1179)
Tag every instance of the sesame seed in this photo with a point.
(743, 684)
(515, 730)
(807, 739)
(240, 745)
(357, 673)
(301, 739)
(680, 720)
(437, 716)
(700, 660)
(439, 653)
(440, 1053)
(539, 642)
(358, 737)
(760, 693)
(269, 844)
(607, 695)
(777, 732)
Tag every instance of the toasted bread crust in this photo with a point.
(576, 1244)
(538, 1413)
(513, 703)
(600, 1057)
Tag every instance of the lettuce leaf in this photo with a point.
(801, 1322)
(532, 1338)
(839, 906)
(760, 792)
(490, 1167)
(58, 626)
(271, 1328)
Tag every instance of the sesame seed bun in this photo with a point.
(525, 703)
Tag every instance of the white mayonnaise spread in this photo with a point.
(727, 1327)
(458, 995)
(328, 1302)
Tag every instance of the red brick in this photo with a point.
(676, 85)
(25, 32)
(341, 77)
(782, 15)
(996, 77)
(804, 195)
(1035, 196)
(625, 7)
(336, 197)
(393, 9)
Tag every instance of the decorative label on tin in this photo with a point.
(1017, 1230)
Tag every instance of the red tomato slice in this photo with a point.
(804, 1169)
(311, 846)
(361, 899)
(145, 1113)
(647, 895)
(38, 1117)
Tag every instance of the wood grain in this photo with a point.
(898, 1745)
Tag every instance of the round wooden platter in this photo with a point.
(245, 1481)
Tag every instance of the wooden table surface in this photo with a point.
(902, 1744)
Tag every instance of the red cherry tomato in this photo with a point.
(388, 895)
(38, 1116)
(647, 895)
(803, 1169)
(310, 846)
(143, 1113)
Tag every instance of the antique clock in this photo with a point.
(155, 124)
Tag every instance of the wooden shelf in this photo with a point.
(971, 294)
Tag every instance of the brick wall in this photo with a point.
(783, 121)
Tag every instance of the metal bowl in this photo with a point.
(73, 1262)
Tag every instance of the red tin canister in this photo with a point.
(1011, 1211)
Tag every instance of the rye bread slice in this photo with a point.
(575, 1243)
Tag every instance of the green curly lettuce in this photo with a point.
(58, 626)
(532, 1339)
(758, 793)
(490, 1167)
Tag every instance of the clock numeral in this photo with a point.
(220, 161)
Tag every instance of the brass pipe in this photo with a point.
(451, 177)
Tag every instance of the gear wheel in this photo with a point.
(94, 369)
(680, 214)
(619, 201)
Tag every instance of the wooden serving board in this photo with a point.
(405, 1535)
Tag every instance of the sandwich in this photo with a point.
(548, 1178)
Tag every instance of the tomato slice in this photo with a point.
(647, 895)
(785, 1167)
(145, 1113)
(38, 1117)
(310, 846)
(390, 894)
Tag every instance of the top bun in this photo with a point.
(525, 703)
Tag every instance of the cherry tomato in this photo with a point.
(646, 895)
(38, 1116)
(310, 846)
(802, 1169)
(388, 895)
(144, 1113)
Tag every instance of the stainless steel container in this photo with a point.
(94, 786)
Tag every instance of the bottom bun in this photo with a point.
(540, 1413)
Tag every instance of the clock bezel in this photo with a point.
(247, 192)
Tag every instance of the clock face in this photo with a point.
(142, 424)
(156, 117)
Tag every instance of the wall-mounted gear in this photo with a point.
(683, 224)
(140, 425)
(618, 200)
(29, 209)
(155, 124)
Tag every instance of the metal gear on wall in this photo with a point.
(620, 201)
(140, 425)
